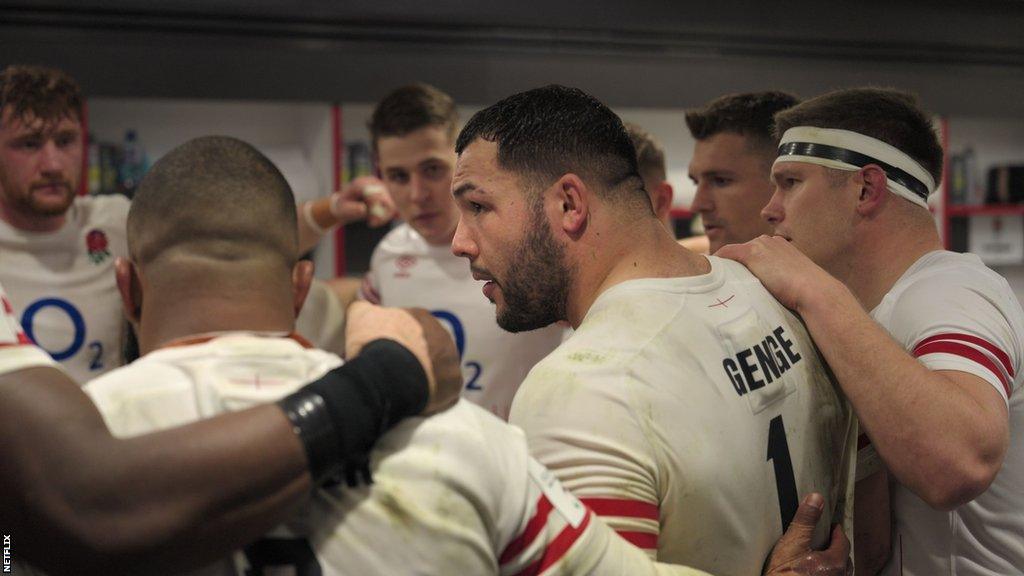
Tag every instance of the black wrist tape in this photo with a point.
(340, 416)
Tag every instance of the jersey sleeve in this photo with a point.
(16, 350)
(563, 536)
(583, 428)
(961, 326)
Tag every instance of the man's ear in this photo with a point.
(302, 279)
(663, 200)
(573, 199)
(874, 191)
(129, 284)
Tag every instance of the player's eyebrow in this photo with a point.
(462, 189)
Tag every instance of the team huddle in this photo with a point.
(828, 391)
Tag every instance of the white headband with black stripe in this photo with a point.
(846, 150)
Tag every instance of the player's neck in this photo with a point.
(167, 318)
(31, 222)
(883, 254)
(629, 252)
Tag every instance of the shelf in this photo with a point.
(987, 210)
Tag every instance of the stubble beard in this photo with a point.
(537, 283)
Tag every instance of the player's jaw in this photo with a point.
(41, 198)
(716, 231)
(50, 197)
(534, 286)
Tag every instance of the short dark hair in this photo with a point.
(748, 114)
(650, 156)
(892, 116)
(410, 108)
(47, 94)
(548, 132)
(218, 197)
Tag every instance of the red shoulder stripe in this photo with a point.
(965, 351)
(1003, 357)
(622, 507)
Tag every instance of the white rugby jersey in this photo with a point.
(456, 493)
(953, 313)
(16, 351)
(63, 288)
(692, 414)
(407, 271)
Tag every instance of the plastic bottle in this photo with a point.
(974, 195)
(94, 172)
(132, 163)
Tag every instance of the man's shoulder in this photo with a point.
(107, 209)
(137, 377)
(949, 276)
(463, 433)
(402, 239)
(581, 366)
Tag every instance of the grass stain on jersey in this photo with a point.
(398, 511)
(588, 357)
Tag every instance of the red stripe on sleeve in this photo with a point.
(533, 528)
(622, 507)
(643, 540)
(964, 351)
(22, 341)
(561, 544)
(1003, 357)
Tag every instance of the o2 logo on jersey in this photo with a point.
(77, 321)
(454, 325)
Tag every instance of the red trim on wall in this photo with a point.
(681, 213)
(947, 227)
(338, 145)
(83, 182)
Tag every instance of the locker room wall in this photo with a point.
(964, 59)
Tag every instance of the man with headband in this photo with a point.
(926, 343)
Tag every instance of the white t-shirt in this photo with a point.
(407, 271)
(16, 351)
(689, 412)
(62, 284)
(456, 493)
(953, 313)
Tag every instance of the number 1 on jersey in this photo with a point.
(785, 481)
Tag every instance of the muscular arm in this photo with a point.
(79, 501)
(941, 433)
(365, 198)
(320, 212)
(96, 504)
